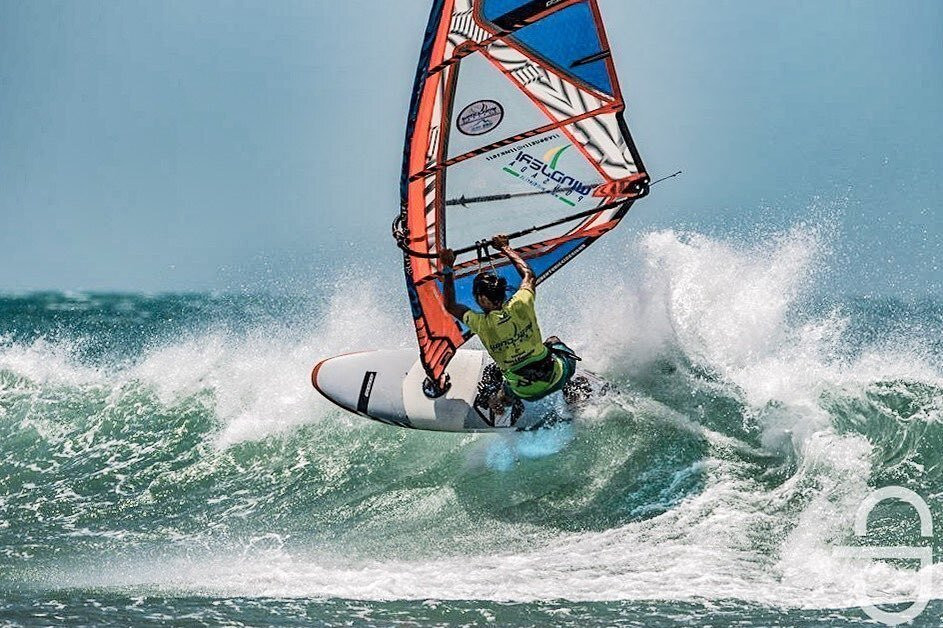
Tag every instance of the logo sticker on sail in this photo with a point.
(480, 117)
(547, 175)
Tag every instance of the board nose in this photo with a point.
(339, 378)
(328, 389)
(314, 375)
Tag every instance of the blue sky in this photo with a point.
(184, 145)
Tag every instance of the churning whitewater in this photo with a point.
(172, 445)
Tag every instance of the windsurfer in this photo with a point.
(531, 368)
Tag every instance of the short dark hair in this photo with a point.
(488, 284)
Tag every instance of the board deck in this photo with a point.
(387, 386)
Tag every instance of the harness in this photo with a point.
(542, 370)
(537, 371)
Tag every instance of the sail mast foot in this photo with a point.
(433, 389)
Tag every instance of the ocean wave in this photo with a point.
(748, 424)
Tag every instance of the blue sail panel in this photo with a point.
(568, 40)
(495, 9)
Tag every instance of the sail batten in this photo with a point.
(516, 126)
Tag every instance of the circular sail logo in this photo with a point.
(480, 117)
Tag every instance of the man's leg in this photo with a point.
(576, 388)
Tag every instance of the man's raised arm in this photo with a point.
(447, 257)
(529, 280)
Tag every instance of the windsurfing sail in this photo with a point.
(516, 126)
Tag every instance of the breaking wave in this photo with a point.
(174, 444)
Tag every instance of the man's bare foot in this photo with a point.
(499, 402)
(497, 406)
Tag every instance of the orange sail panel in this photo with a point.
(516, 126)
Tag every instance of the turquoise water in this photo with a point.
(164, 458)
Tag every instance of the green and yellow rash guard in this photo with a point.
(512, 337)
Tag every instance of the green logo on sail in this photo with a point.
(548, 167)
